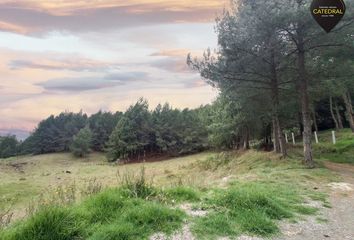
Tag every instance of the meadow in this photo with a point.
(241, 192)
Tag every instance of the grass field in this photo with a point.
(99, 200)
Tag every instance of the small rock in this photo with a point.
(67, 171)
(327, 236)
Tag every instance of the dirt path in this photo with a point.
(336, 223)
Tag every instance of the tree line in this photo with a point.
(133, 135)
(140, 133)
(273, 62)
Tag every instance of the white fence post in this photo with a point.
(316, 137)
(334, 137)
(292, 134)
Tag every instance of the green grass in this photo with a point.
(12, 194)
(48, 223)
(112, 214)
(341, 152)
(182, 194)
(250, 208)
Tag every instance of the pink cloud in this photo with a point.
(43, 16)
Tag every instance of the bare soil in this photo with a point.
(335, 223)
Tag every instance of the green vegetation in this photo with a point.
(15, 193)
(141, 133)
(81, 144)
(261, 187)
(249, 208)
(55, 134)
(9, 146)
(241, 191)
(341, 152)
(111, 214)
(183, 194)
(140, 211)
(268, 68)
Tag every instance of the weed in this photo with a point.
(92, 187)
(136, 185)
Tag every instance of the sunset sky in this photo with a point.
(59, 55)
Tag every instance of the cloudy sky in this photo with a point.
(58, 55)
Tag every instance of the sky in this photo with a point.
(65, 55)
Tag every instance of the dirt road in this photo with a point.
(336, 223)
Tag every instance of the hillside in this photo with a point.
(206, 188)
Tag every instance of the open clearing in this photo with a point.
(25, 178)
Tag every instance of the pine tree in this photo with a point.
(8, 146)
(81, 144)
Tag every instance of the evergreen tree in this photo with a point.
(55, 134)
(8, 146)
(102, 125)
(133, 136)
(81, 143)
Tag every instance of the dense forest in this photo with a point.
(276, 70)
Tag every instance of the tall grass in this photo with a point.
(127, 212)
(250, 208)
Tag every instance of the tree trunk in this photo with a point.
(246, 144)
(339, 118)
(314, 119)
(279, 141)
(349, 109)
(332, 113)
(305, 103)
(281, 137)
(276, 143)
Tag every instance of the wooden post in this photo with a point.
(286, 138)
(292, 134)
(316, 137)
(334, 137)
